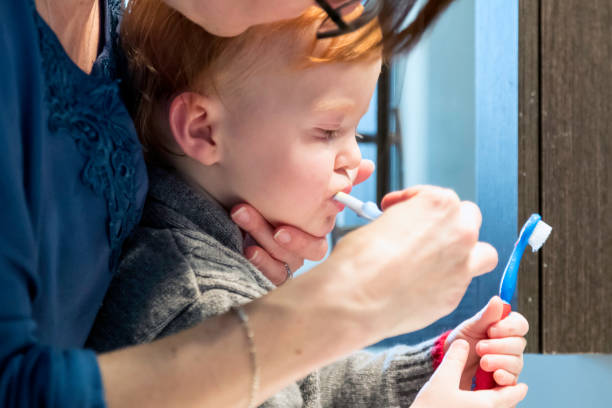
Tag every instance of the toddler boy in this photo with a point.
(268, 118)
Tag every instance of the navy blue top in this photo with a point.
(72, 185)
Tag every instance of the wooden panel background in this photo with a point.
(576, 175)
(529, 301)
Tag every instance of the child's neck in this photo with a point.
(205, 180)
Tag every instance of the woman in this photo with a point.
(73, 182)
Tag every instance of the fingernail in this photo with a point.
(484, 362)
(253, 256)
(241, 216)
(282, 236)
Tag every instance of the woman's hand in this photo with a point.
(285, 244)
(443, 389)
(412, 265)
(499, 343)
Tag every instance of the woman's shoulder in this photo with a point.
(87, 112)
(162, 287)
(18, 44)
(74, 171)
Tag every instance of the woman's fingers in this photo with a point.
(286, 243)
(482, 259)
(273, 269)
(298, 242)
(258, 228)
(471, 215)
(270, 256)
(507, 345)
(395, 197)
(364, 171)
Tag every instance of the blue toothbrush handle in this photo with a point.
(510, 276)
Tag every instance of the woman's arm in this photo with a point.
(397, 274)
(209, 365)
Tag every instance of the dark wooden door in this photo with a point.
(565, 172)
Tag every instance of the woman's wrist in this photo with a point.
(207, 365)
(303, 326)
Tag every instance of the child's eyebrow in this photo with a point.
(334, 105)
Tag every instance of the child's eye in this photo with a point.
(332, 134)
(329, 134)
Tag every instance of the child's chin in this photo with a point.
(320, 228)
(327, 225)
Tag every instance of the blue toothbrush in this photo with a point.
(535, 232)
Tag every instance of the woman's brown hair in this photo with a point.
(398, 37)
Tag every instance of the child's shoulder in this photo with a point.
(160, 254)
(173, 257)
(165, 281)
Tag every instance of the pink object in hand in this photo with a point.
(484, 379)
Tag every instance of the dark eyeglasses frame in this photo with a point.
(370, 12)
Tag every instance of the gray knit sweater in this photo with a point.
(184, 263)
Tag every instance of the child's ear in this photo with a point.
(192, 123)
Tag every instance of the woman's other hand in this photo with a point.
(443, 389)
(497, 345)
(284, 244)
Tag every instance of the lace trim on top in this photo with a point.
(90, 110)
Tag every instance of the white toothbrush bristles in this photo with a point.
(539, 235)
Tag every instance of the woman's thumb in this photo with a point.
(450, 370)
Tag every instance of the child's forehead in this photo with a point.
(331, 91)
(287, 59)
(283, 79)
(333, 104)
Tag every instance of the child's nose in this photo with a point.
(349, 155)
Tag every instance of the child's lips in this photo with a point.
(346, 190)
(338, 205)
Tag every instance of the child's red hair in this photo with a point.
(168, 54)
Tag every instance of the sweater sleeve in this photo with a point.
(31, 374)
(388, 379)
